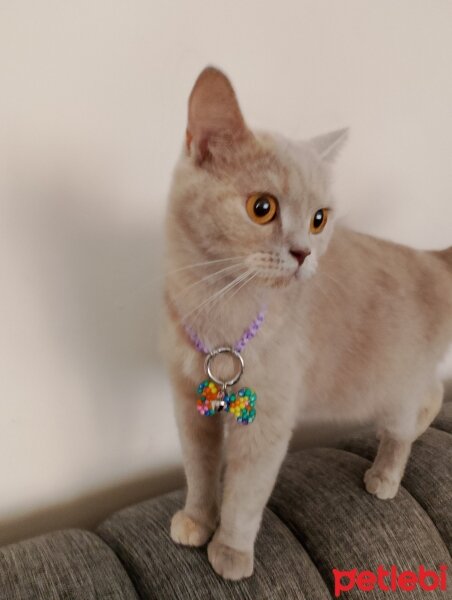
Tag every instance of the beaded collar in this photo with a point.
(215, 394)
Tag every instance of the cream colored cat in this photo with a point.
(355, 327)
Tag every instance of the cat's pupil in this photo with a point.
(261, 207)
(318, 218)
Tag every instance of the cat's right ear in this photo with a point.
(328, 145)
(215, 121)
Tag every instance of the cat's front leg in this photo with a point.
(254, 456)
(201, 441)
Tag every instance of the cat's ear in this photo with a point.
(328, 145)
(215, 121)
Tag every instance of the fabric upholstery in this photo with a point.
(162, 570)
(321, 497)
(428, 475)
(66, 565)
(444, 419)
(319, 518)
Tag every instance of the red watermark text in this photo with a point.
(390, 580)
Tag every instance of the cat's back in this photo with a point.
(388, 266)
(380, 286)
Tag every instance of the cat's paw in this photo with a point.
(229, 563)
(381, 484)
(187, 531)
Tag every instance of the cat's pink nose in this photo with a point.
(300, 254)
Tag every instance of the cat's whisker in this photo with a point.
(215, 295)
(204, 264)
(207, 278)
(197, 311)
(246, 282)
(334, 280)
(249, 277)
(318, 287)
(158, 278)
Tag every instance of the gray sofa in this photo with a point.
(319, 518)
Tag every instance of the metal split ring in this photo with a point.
(234, 354)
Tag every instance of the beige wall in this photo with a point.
(92, 113)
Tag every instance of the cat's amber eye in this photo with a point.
(261, 208)
(318, 221)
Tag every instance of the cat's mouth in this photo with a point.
(286, 278)
(282, 283)
(279, 281)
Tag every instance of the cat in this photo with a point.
(355, 327)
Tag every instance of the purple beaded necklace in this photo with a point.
(216, 394)
(247, 335)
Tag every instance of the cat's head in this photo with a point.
(255, 196)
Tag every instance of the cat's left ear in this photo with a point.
(215, 121)
(328, 145)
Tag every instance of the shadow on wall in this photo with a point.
(100, 282)
(89, 510)
(95, 269)
(328, 435)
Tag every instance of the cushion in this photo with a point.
(321, 497)
(319, 518)
(428, 475)
(444, 419)
(65, 565)
(161, 569)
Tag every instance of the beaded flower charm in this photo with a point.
(216, 394)
(212, 399)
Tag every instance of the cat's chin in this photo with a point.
(278, 282)
(301, 275)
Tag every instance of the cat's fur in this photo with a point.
(355, 334)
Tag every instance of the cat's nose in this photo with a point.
(300, 254)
